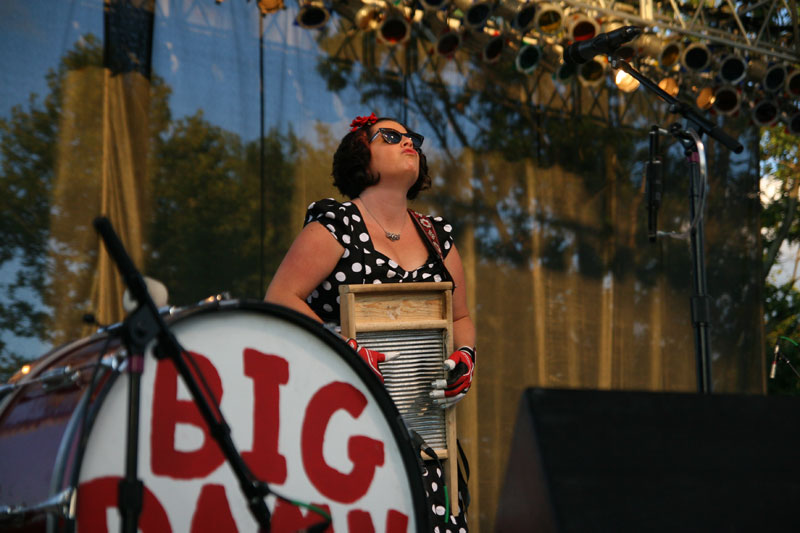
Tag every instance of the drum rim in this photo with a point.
(379, 394)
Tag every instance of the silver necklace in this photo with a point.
(389, 235)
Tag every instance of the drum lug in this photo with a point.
(116, 360)
(61, 504)
(60, 378)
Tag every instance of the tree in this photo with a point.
(29, 141)
(203, 216)
(205, 234)
(780, 169)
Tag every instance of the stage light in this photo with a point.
(548, 18)
(580, 27)
(732, 69)
(434, 5)
(528, 58)
(764, 112)
(491, 46)
(775, 78)
(519, 13)
(368, 17)
(771, 78)
(312, 14)
(476, 12)
(705, 98)
(696, 57)
(488, 44)
(564, 73)
(670, 86)
(267, 7)
(791, 117)
(625, 82)
(443, 32)
(394, 28)
(727, 100)
(591, 73)
(666, 53)
(793, 82)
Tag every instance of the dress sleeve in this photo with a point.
(444, 230)
(336, 217)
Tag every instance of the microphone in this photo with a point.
(775, 361)
(605, 43)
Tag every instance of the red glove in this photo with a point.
(371, 357)
(460, 366)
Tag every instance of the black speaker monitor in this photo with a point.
(640, 461)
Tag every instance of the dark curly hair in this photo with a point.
(351, 165)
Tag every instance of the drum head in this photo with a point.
(306, 414)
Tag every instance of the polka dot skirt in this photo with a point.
(361, 262)
(433, 480)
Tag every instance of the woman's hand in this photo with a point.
(371, 357)
(460, 366)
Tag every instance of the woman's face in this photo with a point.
(393, 161)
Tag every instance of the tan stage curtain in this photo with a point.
(101, 168)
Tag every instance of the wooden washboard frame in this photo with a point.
(415, 319)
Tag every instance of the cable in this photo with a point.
(311, 507)
(788, 339)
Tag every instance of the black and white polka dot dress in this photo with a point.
(361, 263)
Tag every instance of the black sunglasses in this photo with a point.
(393, 137)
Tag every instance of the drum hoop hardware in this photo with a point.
(66, 376)
(61, 504)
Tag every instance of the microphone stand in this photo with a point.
(138, 329)
(689, 137)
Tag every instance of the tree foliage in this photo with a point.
(780, 169)
(204, 220)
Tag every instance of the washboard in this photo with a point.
(416, 320)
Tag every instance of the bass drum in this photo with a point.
(305, 412)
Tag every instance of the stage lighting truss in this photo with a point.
(724, 71)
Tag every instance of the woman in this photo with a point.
(375, 238)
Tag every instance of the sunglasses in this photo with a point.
(393, 137)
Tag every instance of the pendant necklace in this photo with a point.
(389, 235)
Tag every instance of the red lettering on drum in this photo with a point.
(268, 372)
(100, 494)
(396, 522)
(365, 453)
(361, 521)
(288, 518)
(169, 411)
(213, 512)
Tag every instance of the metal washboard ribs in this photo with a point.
(408, 378)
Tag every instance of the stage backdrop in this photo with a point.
(155, 115)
